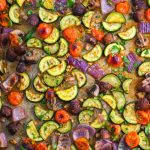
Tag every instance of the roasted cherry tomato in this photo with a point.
(123, 7)
(132, 139)
(142, 117)
(4, 20)
(148, 113)
(27, 141)
(71, 34)
(62, 116)
(15, 98)
(99, 35)
(82, 144)
(115, 129)
(41, 146)
(49, 94)
(3, 5)
(15, 39)
(115, 60)
(44, 30)
(147, 14)
(75, 49)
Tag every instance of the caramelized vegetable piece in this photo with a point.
(82, 144)
(123, 7)
(142, 117)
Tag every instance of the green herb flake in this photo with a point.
(147, 129)
(146, 52)
(138, 51)
(121, 77)
(115, 49)
(10, 23)
(126, 60)
(29, 12)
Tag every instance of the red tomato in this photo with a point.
(147, 14)
(44, 30)
(82, 144)
(15, 98)
(115, 129)
(142, 117)
(115, 60)
(75, 49)
(99, 35)
(41, 146)
(3, 5)
(4, 20)
(123, 7)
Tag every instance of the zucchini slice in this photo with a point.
(69, 21)
(39, 85)
(34, 43)
(85, 116)
(58, 70)
(115, 17)
(10, 2)
(53, 37)
(129, 113)
(14, 13)
(32, 132)
(63, 47)
(65, 128)
(68, 94)
(116, 117)
(97, 124)
(113, 48)
(148, 2)
(48, 128)
(47, 16)
(48, 4)
(42, 113)
(94, 54)
(47, 62)
(20, 2)
(112, 79)
(144, 141)
(129, 34)
(92, 103)
(127, 128)
(87, 18)
(80, 76)
(52, 81)
(111, 27)
(33, 96)
(146, 53)
(144, 68)
(24, 81)
(120, 98)
(126, 85)
(51, 49)
(109, 99)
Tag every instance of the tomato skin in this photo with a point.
(15, 98)
(132, 139)
(82, 144)
(99, 35)
(75, 49)
(44, 30)
(148, 113)
(115, 129)
(62, 116)
(71, 34)
(147, 14)
(4, 20)
(41, 146)
(142, 117)
(115, 60)
(123, 7)
(3, 5)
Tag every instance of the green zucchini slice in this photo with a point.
(53, 37)
(34, 43)
(68, 94)
(94, 54)
(48, 4)
(32, 132)
(47, 62)
(146, 53)
(116, 117)
(129, 113)
(109, 99)
(127, 128)
(92, 103)
(126, 85)
(58, 70)
(33, 96)
(144, 68)
(51, 49)
(69, 21)
(87, 18)
(48, 128)
(111, 27)
(65, 128)
(148, 2)
(42, 113)
(112, 79)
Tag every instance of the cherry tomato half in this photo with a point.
(123, 7)
(99, 35)
(41, 146)
(82, 144)
(75, 49)
(142, 117)
(147, 14)
(3, 5)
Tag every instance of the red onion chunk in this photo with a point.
(106, 7)
(139, 4)
(6, 30)
(18, 114)
(3, 140)
(78, 63)
(78, 133)
(122, 144)
(117, 1)
(104, 145)
(144, 27)
(4, 40)
(95, 71)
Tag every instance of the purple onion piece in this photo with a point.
(3, 140)
(6, 30)
(117, 1)
(139, 4)
(106, 7)
(104, 145)
(95, 71)
(144, 27)
(4, 40)
(122, 144)
(78, 63)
